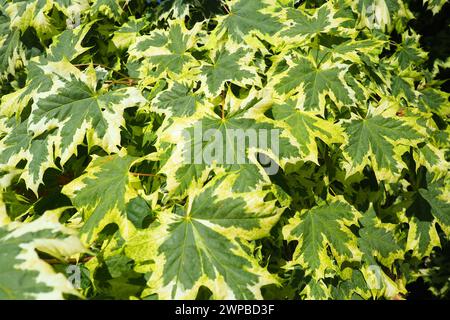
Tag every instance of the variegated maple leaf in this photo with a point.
(105, 194)
(322, 230)
(310, 82)
(192, 147)
(165, 51)
(12, 55)
(306, 127)
(23, 275)
(228, 64)
(205, 243)
(301, 25)
(379, 142)
(178, 100)
(380, 247)
(60, 120)
(249, 18)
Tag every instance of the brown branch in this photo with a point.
(70, 261)
(226, 8)
(106, 67)
(143, 174)
(128, 82)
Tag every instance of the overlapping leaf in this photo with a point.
(206, 142)
(311, 82)
(378, 142)
(23, 275)
(104, 194)
(319, 229)
(60, 120)
(250, 18)
(205, 243)
(225, 66)
(165, 51)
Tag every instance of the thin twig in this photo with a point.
(226, 8)
(106, 67)
(137, 174)
(70, 261)
(128, 82)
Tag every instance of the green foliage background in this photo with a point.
(94, 95)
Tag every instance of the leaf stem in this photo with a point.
(70, 261)
(138, 174)
(106, 67)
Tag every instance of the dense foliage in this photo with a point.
(97, 97)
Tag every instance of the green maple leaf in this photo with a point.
(67, 45)
(311, 84)
(165, 51)
(377, 240)
(177, 100)
(11, 51)
(192, 147)
(437, 195)
(379, 142)
(302, 25)
(249, 18)
(315, 290)
(23, 275)
(228, 66)
(403, 88)
(351, 287)
(122, 281)
(409, 52)
(436, 101)
(104, 194)
(305, 127)
(205, 243)
(110, 8)
(62, 118)
(320, 228)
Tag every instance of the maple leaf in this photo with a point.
(320, 228)
(437, 196)
(301, 25)
(311, 83)
(165, 51)
(305, 128)
(11, 51)
(205, 243)
(177, 100)
(104, 176)
(378, 142)
(249, 18)
(62, 118)
(192, 147)
(228, 66)
(23, 275)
